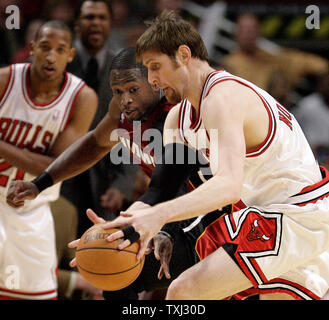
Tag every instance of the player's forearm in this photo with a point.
(79, 157)
(216, 193)
(31, 162)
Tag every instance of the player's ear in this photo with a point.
(71, 54)
(184, 53)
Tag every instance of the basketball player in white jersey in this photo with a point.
(278, 244)
(43, 110)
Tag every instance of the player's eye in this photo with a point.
(155, 67)
(133, 90)
(44, 48)
(117, 92)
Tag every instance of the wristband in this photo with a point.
(168, 235)
(43, 181)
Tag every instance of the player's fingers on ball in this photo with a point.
(118, 223)
(93, 217)
(124, 244)
(73, 263)
(142, 249)
(74, 243)
(114, 236)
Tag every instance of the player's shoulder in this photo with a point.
(87, 94)
(227, 92)
(86, 99)
(173, 117)
(5, 74)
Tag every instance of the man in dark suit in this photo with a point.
(92, 63)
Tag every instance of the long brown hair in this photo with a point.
(166, 33)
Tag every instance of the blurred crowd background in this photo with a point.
(265, 42)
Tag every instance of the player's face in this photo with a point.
(51, 53)
(94, 24)
(165, 74)
(134, 95)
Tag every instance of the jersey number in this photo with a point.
(4, 165)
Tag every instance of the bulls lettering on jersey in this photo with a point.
(32, 126)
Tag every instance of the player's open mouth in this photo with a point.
(49, 70)
(129, 112)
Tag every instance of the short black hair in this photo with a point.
(126, 59)
(77, 10)
(55, 24)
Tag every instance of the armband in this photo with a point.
(178, 162)
(43, 181)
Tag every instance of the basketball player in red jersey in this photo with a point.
(43, 110)
(279, 243)
(135, 109)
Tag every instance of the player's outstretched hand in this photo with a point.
(145, 222)
(19, 191)
(94, 218)
(163, 248)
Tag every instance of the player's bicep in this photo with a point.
(4, 80)
(106, 131)
(82, 115)
(224, 123)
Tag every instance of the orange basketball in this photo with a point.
(102, 264)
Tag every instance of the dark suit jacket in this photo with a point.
(104, 91)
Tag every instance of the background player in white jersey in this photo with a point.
(278, 244)
(43, 110)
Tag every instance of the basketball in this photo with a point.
(102, 264)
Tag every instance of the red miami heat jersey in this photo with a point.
(32, 126)
(275, 171)
(135, 136)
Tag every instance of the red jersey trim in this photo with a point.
(196, 125)
(50, 104)
(181, 118)
(297, 291)
(272, 123)
(15, 294)
(71, 105)
(315, 192)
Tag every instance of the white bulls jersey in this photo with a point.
(276, 170)
(31, 126)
